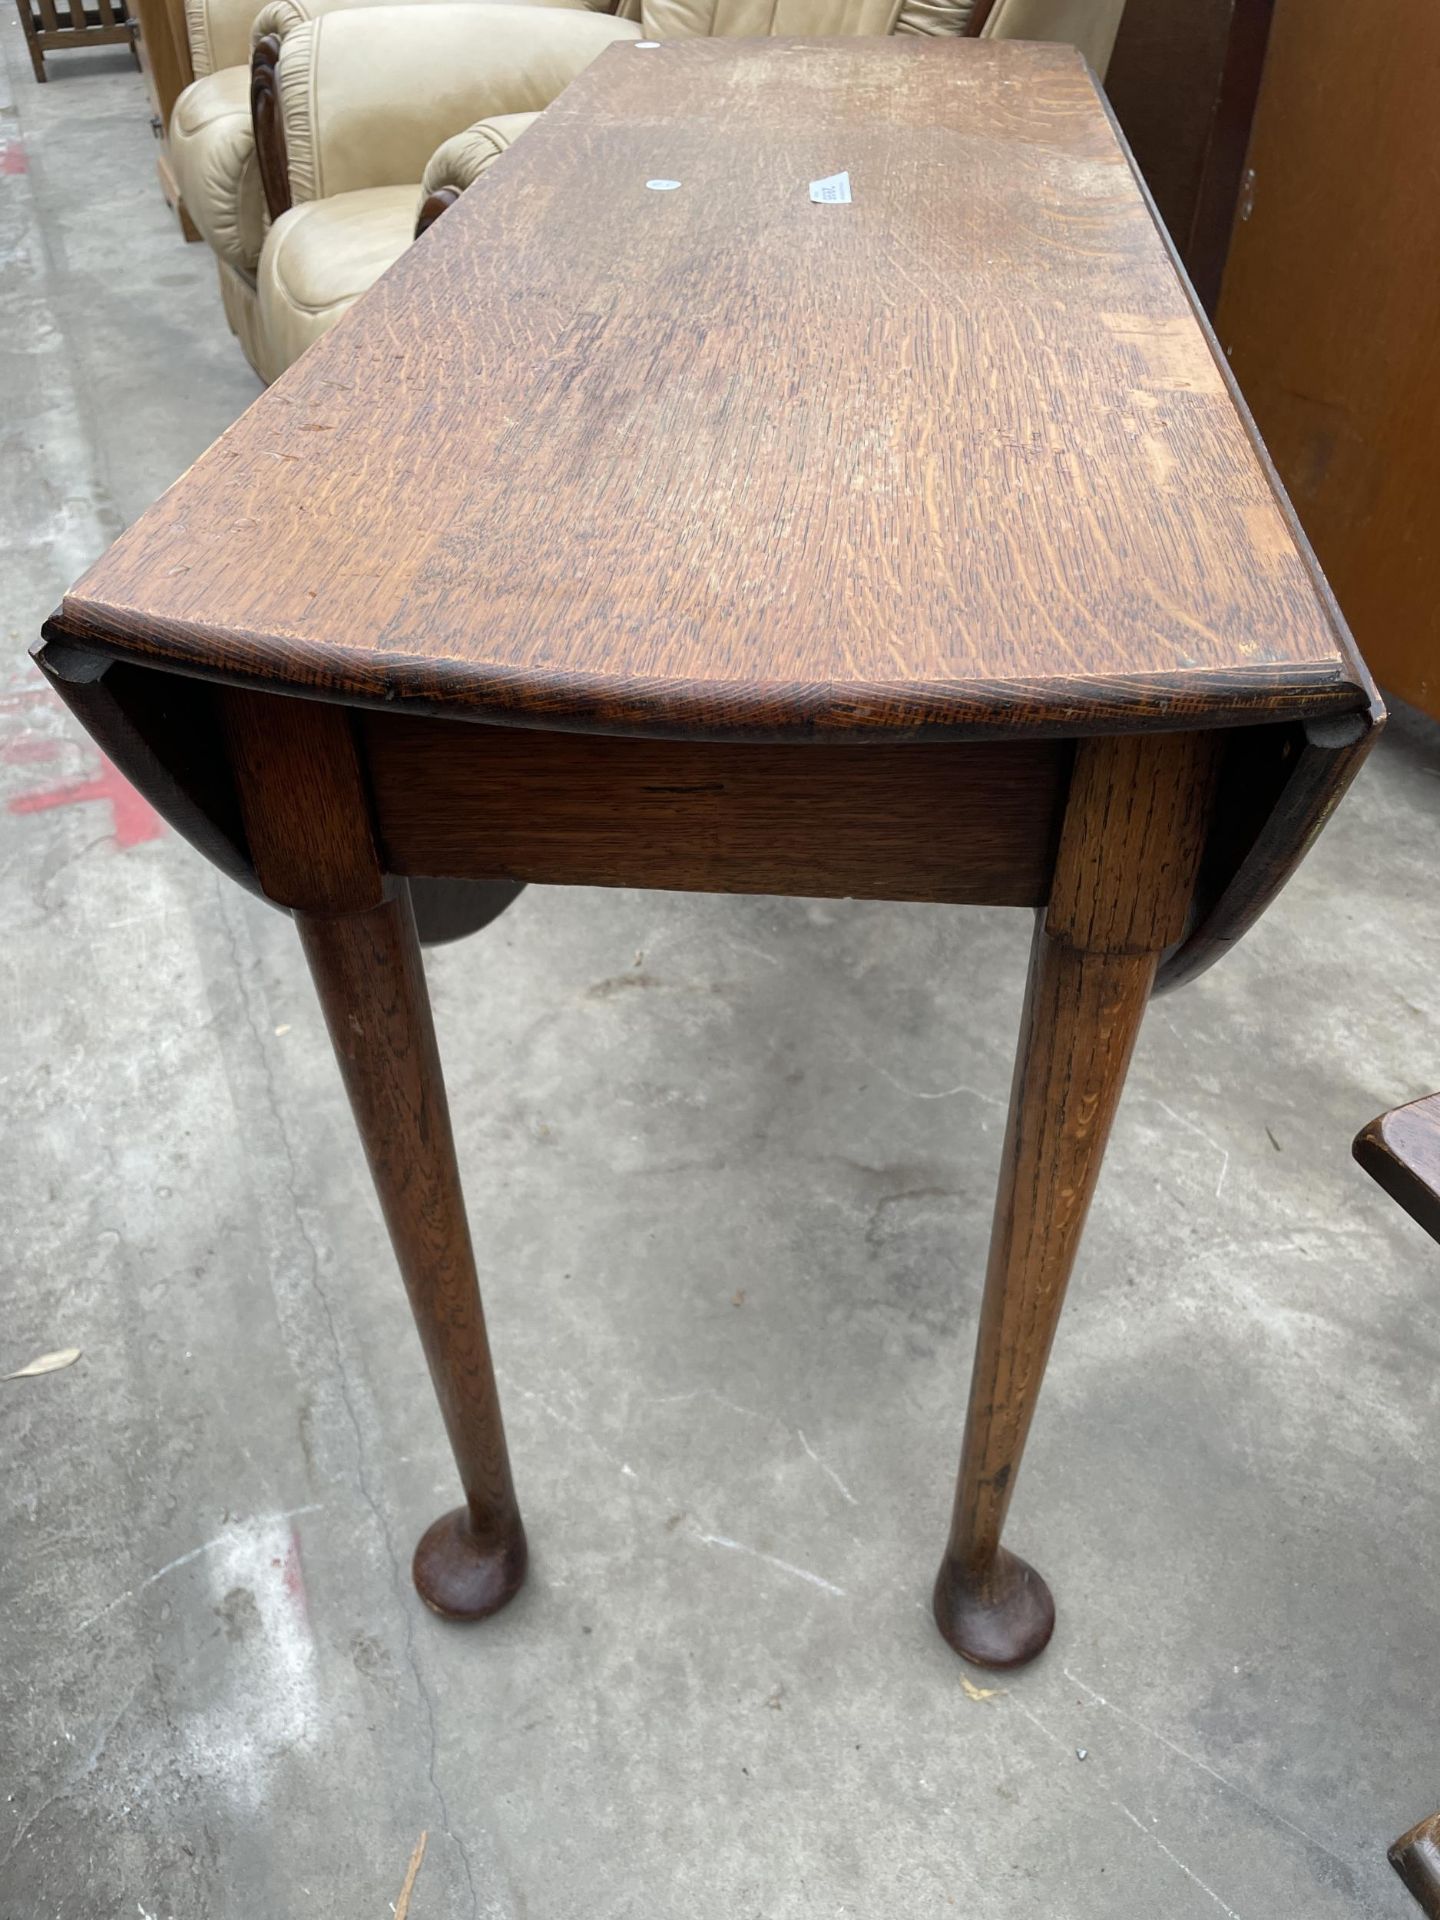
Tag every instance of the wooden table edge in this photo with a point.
(737, 710)
(1335, 619)
(1400, 1150)
(1289, 764)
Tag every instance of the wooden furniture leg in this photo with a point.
(32, 40)
(307, 822)
(1125, 874)
(369, 975)
(1400, 1150)
(1415, 1856)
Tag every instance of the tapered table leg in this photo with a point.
(1415, 1856)
(368, 972)
(1082, 1013)
(308, 828)
(1130, 847)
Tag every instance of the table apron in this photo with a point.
(970, 823)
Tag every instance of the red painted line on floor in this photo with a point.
(136, 821)
(21, 697)
(13, 157)
(292, 1576)
(30, 750)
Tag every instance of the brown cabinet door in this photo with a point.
(165, 52)
(165, 60)
(1331, 310)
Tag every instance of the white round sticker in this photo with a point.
(662, 186)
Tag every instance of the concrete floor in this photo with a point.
(730, 1164)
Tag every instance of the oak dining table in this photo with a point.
(915, 546)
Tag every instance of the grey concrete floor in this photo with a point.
(730, 1163)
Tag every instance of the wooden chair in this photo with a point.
(1401, 1150)
(54, 26)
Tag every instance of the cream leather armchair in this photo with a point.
(212, 143)
(212, 149)
(349, 108)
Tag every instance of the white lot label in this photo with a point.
(834, 192)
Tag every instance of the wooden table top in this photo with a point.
(956, 458)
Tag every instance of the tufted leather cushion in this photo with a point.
(803, 19)
(367, 96)
(212, 145)
(459, 161)
(1090, 25)
(279, 16)
(219, 34)
(321, 256)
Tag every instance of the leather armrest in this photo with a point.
(270, 27)
(275, 20)
(457, 163)
(212, 149)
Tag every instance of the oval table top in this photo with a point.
(959, 457)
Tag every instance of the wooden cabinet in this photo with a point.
(165, 59)
(1183, 81)
(1331, 311)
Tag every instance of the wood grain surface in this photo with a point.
(1164, 83)
(302, 795)
(1329, 309)
(964, 823)
(958, 457)
(1183, 81)
(307, 822)
(1130, 848)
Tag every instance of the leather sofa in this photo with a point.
(367, 119)
(1090, 25)
(349, 108)
(212, 147)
